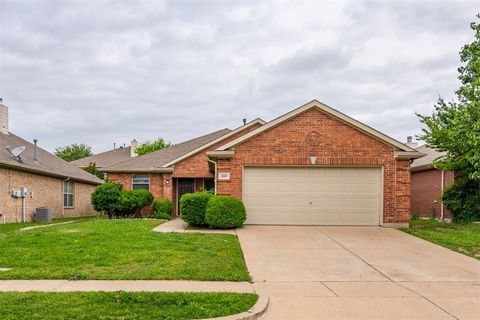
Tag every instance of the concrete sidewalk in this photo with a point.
(125, 285)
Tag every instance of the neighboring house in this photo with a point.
(428, 184)
(108, 158)
(311, 166)
(43, 180)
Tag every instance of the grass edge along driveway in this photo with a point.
(120, 249)
(122, 305)
(461, 238)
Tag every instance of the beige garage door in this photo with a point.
(312, 196)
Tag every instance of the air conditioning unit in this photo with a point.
(43, 215)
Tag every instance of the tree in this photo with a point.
(106, 198)
(73, 152)
(454, 126)
(151, 146)
(92, 169)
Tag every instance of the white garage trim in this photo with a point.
(306, 195)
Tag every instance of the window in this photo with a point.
(68, 194)
(209, 185)
(141, 182)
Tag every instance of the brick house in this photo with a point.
(37, 178)
(311, 166)
(428, 184)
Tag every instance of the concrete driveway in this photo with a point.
(358, 273)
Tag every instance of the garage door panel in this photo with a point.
(335, 196)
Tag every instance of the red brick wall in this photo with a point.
(426, 192)
(334, 143)
(156, 182)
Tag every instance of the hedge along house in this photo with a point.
(311, 166)
(176, 170)
(37, 178)
(317, 166)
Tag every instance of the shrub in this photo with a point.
(193, 206)
(132, 201)
(106, 197)
(462, 198)
(225, 212)
(163, 208)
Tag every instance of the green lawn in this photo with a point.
(120, 249)
(121, 305)
(461, 238)
(12, 227)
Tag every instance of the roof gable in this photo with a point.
(400, 147)
(211, 143)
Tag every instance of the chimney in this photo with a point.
(410, 142)
(133, 148)
(35, 149)
(244, 121)
(3, 118)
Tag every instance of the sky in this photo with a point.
(99, 72)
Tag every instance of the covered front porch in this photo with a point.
(183, 185)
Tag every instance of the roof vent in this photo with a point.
(410, 142)
(244, 121)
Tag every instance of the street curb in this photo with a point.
(255, 312)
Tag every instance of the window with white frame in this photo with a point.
(141, 181)
(68, 194)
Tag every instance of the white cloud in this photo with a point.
(108, 71)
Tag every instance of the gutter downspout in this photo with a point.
(441, 200)
(63, 200)
(215, 166)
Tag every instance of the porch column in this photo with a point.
(168, 186)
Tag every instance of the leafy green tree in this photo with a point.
(151, 146)
(454, 126)
(92, 169)
(73, 152)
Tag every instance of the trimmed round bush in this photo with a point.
(225, 212)
(106, 196)
(193, 206)
(163, 208)
(131, 201)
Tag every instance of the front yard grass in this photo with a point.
(120, 249)
(13, 227)
(122, 305)
(461, 238)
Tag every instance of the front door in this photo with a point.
(184, 185)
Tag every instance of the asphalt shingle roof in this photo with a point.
(431, 155)
(105, 159)
(46, 164)
(157, 159)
